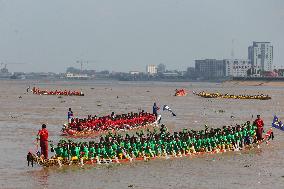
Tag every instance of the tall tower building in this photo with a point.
(260, 54)
(151, 69)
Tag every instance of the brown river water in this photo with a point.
(22, 114)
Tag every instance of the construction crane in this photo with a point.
(5, 65)
(81, 62)
(11, 63)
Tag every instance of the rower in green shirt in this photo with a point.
(75, 151)
(213, 143)
(92, 151)
(135, 152)
(198, 144)
(119, 152)
(114, 146)
(65, 153)
(98, 150)
(110, 152)
(229, 138)
(184, 148)
(103, 151)
(149, 152)
(59, 150)
(85, 151)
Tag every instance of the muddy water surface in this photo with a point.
(22, 114)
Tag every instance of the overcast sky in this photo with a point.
(124, 35)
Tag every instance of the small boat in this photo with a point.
(180, 92)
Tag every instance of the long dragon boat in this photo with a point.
(153, 145)
(232, 96)
(38, 91)
(94, 126)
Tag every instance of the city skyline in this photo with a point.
(127, 35)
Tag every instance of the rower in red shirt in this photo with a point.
(259, 124)
(43, 138)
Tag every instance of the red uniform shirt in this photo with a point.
(259, 123)
(43, 134)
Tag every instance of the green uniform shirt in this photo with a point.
(121, 144)
(103, 152)
(59, 151)
(245, 132)
(252, 132)
(110, 152)
(85, 152)
(114, 146)
(135, 152)
(65, 153)
(127, 146)
(75, 151)
(213, 142)
(92, 152)
(229, 138)
(98, 151)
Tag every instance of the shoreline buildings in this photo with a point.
(258, 64)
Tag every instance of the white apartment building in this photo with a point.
(236, 67)
(151, 69)
(260, 54)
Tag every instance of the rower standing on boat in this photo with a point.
(42, 136)
(259, 124)
(155, 110)
(28, 89)
(70, 115)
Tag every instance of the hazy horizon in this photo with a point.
(127, 35)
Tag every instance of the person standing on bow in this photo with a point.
(70, 115)
(259, 127)
(155, 109)
(42, 136)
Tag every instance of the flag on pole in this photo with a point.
(166, 107)
(276, 123)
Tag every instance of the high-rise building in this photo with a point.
(151, 69)
(260, 54)
(237, 67)
(210, 68)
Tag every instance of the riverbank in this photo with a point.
(254, 83)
